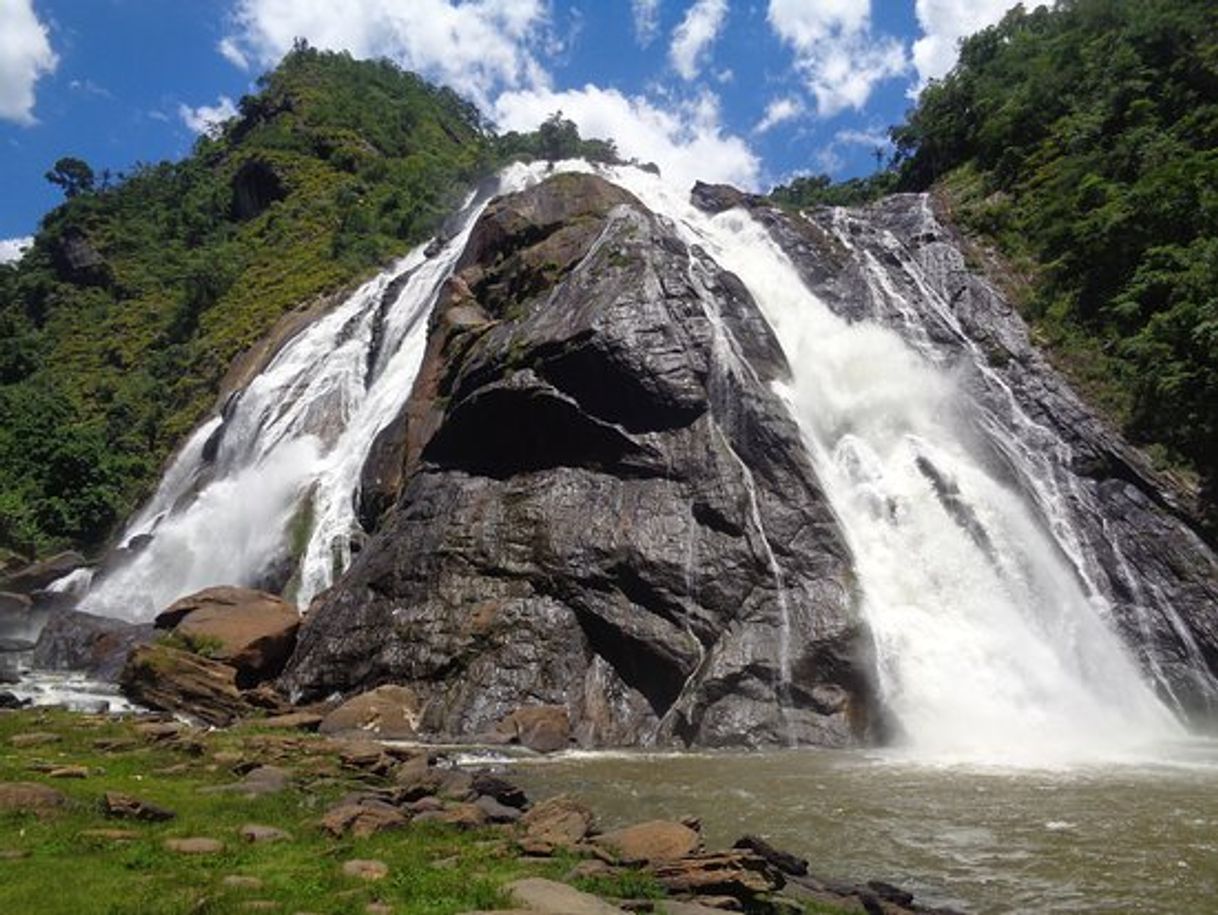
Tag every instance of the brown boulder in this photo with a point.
(366, 870)
(390, 712)
(544, 728)
(250, 630)
(257, 833)
(195, 846)
(362, 817)
(173, 680)
(557, 822)
(740, 874)
(29, 797)
(124, 806)
(656, 840)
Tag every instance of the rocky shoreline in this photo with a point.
(210, 806)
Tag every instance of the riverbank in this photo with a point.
(100, 813)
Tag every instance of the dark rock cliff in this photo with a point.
(602, 504)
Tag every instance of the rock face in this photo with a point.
(96, 645)
(603, 505)
(249, 630)
(1136, 542)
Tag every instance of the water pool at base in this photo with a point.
(1112, 838)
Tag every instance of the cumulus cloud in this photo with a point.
(25, 56)
(231, 51)
(208, 118)
(944, 23)
(693, 37)
(779, 110)
(687, 141)
(474, 46)
(646, 15)
(837, 53)
(13, 249)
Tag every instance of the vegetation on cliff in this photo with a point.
(116, 328)
(1081, 140)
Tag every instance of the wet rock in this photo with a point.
(500, 789)
(544, 728)
(15, 646)
(9, 701)
(257, 833)
(576, 358)
(370, 870)
(656, 840)
(37, 575)
(496, 812)
(716, 198)
(173, 680)
(15, 610)
(558, 822)
(195, 845)
(30, 797)
(739, 874)
(548, 897)
(388, 712)
(784, 861)
(249, 630)
(126, 807)
(95, 645)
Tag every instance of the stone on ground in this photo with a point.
(557, 821)
(124, 806)
(657, 840)
(29, 797)
(255, 832)
(548, 897)
(195, 845)
(390, 712)
(370, 869)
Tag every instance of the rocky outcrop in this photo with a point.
(172, 680)
(1136, 544)
(249, 630)
(96, 645)
(603, 505)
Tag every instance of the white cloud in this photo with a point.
(646, 15)
(687, 142)
(944, 23)
(208, 118)
(25, 56)
(836, 52)
(694, 36)
(13, 249)
(231, 51)
(871, 138)
(779, 110)
(474, 46)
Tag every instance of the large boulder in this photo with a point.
(38, 575)
(387, 712)
(604, 507)
(251, 631)
(655, 840)
(173, 680)
(95, 645)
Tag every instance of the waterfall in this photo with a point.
(271, 484)
(990, 638)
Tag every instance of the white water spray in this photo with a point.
(286, 472)
(989, 644)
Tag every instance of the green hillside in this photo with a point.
(1082, 141)
(116, 328)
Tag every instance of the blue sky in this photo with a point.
(746, 92)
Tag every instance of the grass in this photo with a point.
(67, 872)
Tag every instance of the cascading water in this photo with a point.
(989, 640)
(279, 484)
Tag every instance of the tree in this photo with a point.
(73, 175)
(558, 138)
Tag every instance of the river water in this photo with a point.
(1113, 838)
